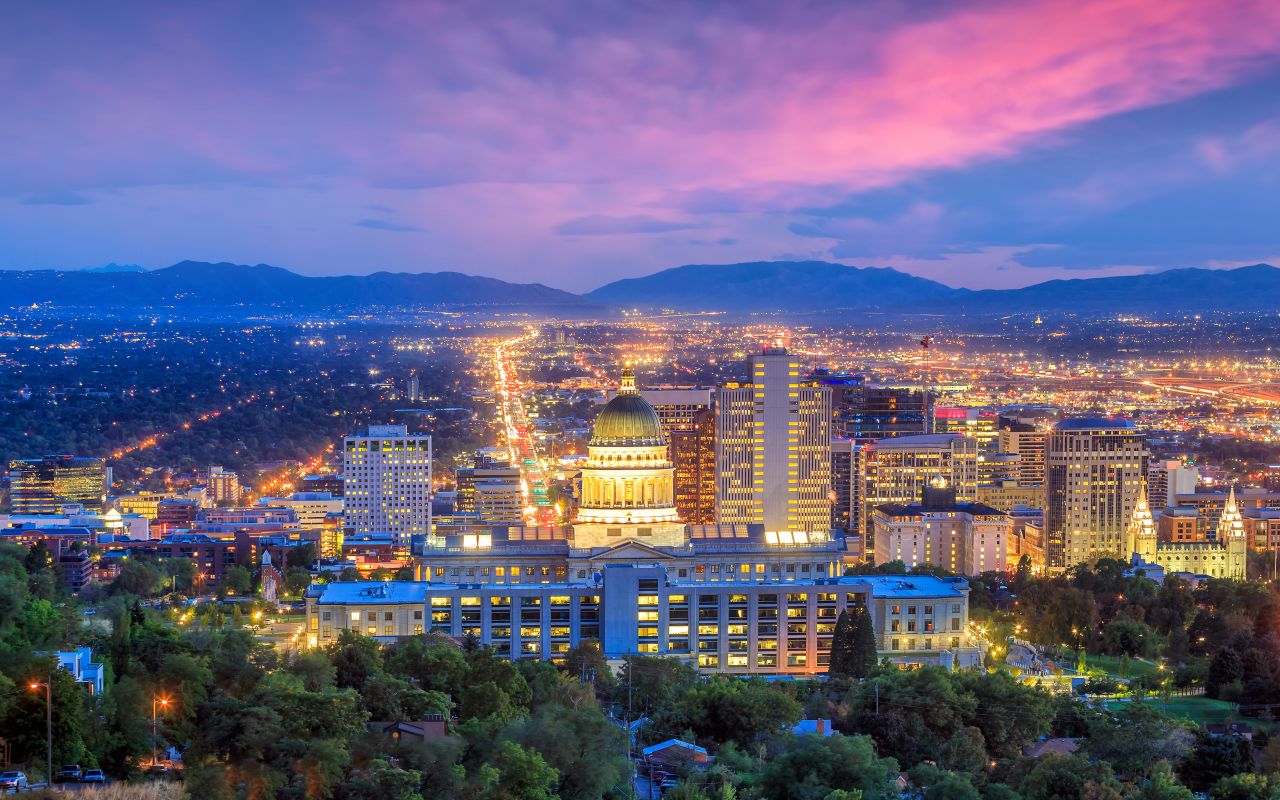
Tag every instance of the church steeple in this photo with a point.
(1142, 527)
(1231, 523)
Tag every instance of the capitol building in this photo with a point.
(627, 513)
(629, 574)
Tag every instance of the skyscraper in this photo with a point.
(387, 482)
(898, 470)
(773, 448)
(688, 420)
(1094, 472)
(1030, 446)
(866, 412)
(43, 485)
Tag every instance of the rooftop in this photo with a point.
(1094, 423)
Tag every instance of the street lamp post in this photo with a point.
(163, 701)
(48, 723)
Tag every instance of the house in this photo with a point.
(80, 664)
(1058, 746)
(821, 727)
(1220, 730)
(676, 753)
(429, 728)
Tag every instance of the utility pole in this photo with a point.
(164, 701)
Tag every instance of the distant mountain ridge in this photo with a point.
(787, 286)
(801, 286)
(202, 284)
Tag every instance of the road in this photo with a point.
(521, 447)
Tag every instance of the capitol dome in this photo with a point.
(627, 420)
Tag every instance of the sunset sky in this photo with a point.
(572, 142)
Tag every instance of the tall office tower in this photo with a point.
(688, 420)
(414, 388)
(499, 500)
(865, 412)
(1167, 479)
(224, 486)
(773, 448)
(43, 485)
(484, 471)
(972, 422)
(1030, 447)
(1093, 476)
(898, 470)
(844, 462)
(387, 482)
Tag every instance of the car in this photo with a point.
(94, 776)
(13, 780)
(68, 773)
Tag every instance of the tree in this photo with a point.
(522, 774)
(585, 748)
(1163, 785)
(1225, 668)
(1214, 759)
(814, 766)
(864, 656)
(237, 580)
(1245, 787)
(296, 581)
(1067, 777)
(723, 709)
(1128, 637)
(841, 663)
(1137, 738)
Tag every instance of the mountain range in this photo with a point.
(818, 285)
(791, 286)
(205, 285)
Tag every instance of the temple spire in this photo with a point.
(1231, 523)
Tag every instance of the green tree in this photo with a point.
(1067, 777)
(1163, 785)
(1137, 738)
(1225, 668)
(841, 663)
(814, 766)
(296, 581)
(523, 774)
(864, 656)
(1245, 786)
(587, 750)
(237, 580)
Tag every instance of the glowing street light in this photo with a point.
(48, 721)
(156, 701)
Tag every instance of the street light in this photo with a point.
(48, 721)
(155, 700)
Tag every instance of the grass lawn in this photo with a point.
(1111, 665)
(1202, 710)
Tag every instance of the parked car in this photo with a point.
(94, 776)
(68, 773)
(13, 780)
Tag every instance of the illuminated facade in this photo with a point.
(1094, 472)
(387, 483)
(963, 538)
(898, 470)
(44, 485)
(735, 627)
(1030, 448)
(1224, 557)
(773, 448)
(626, 513)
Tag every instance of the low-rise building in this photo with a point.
(741, 627)
(964, 538)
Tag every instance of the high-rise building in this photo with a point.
(1166, 479)
(1029, 445)
(773, 448)
(866, 412)
(972, 422)
(313, 508)
(414, 387)
(688, 420)
(224, 486)
(387, 483)
(1094, 473)
(845, 472)
(898, 470)
(484, 471)
(499, 500)
(44, 485)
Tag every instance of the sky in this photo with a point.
(575, 142)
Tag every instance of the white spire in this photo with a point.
(1231, 523)
(1142, 523)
